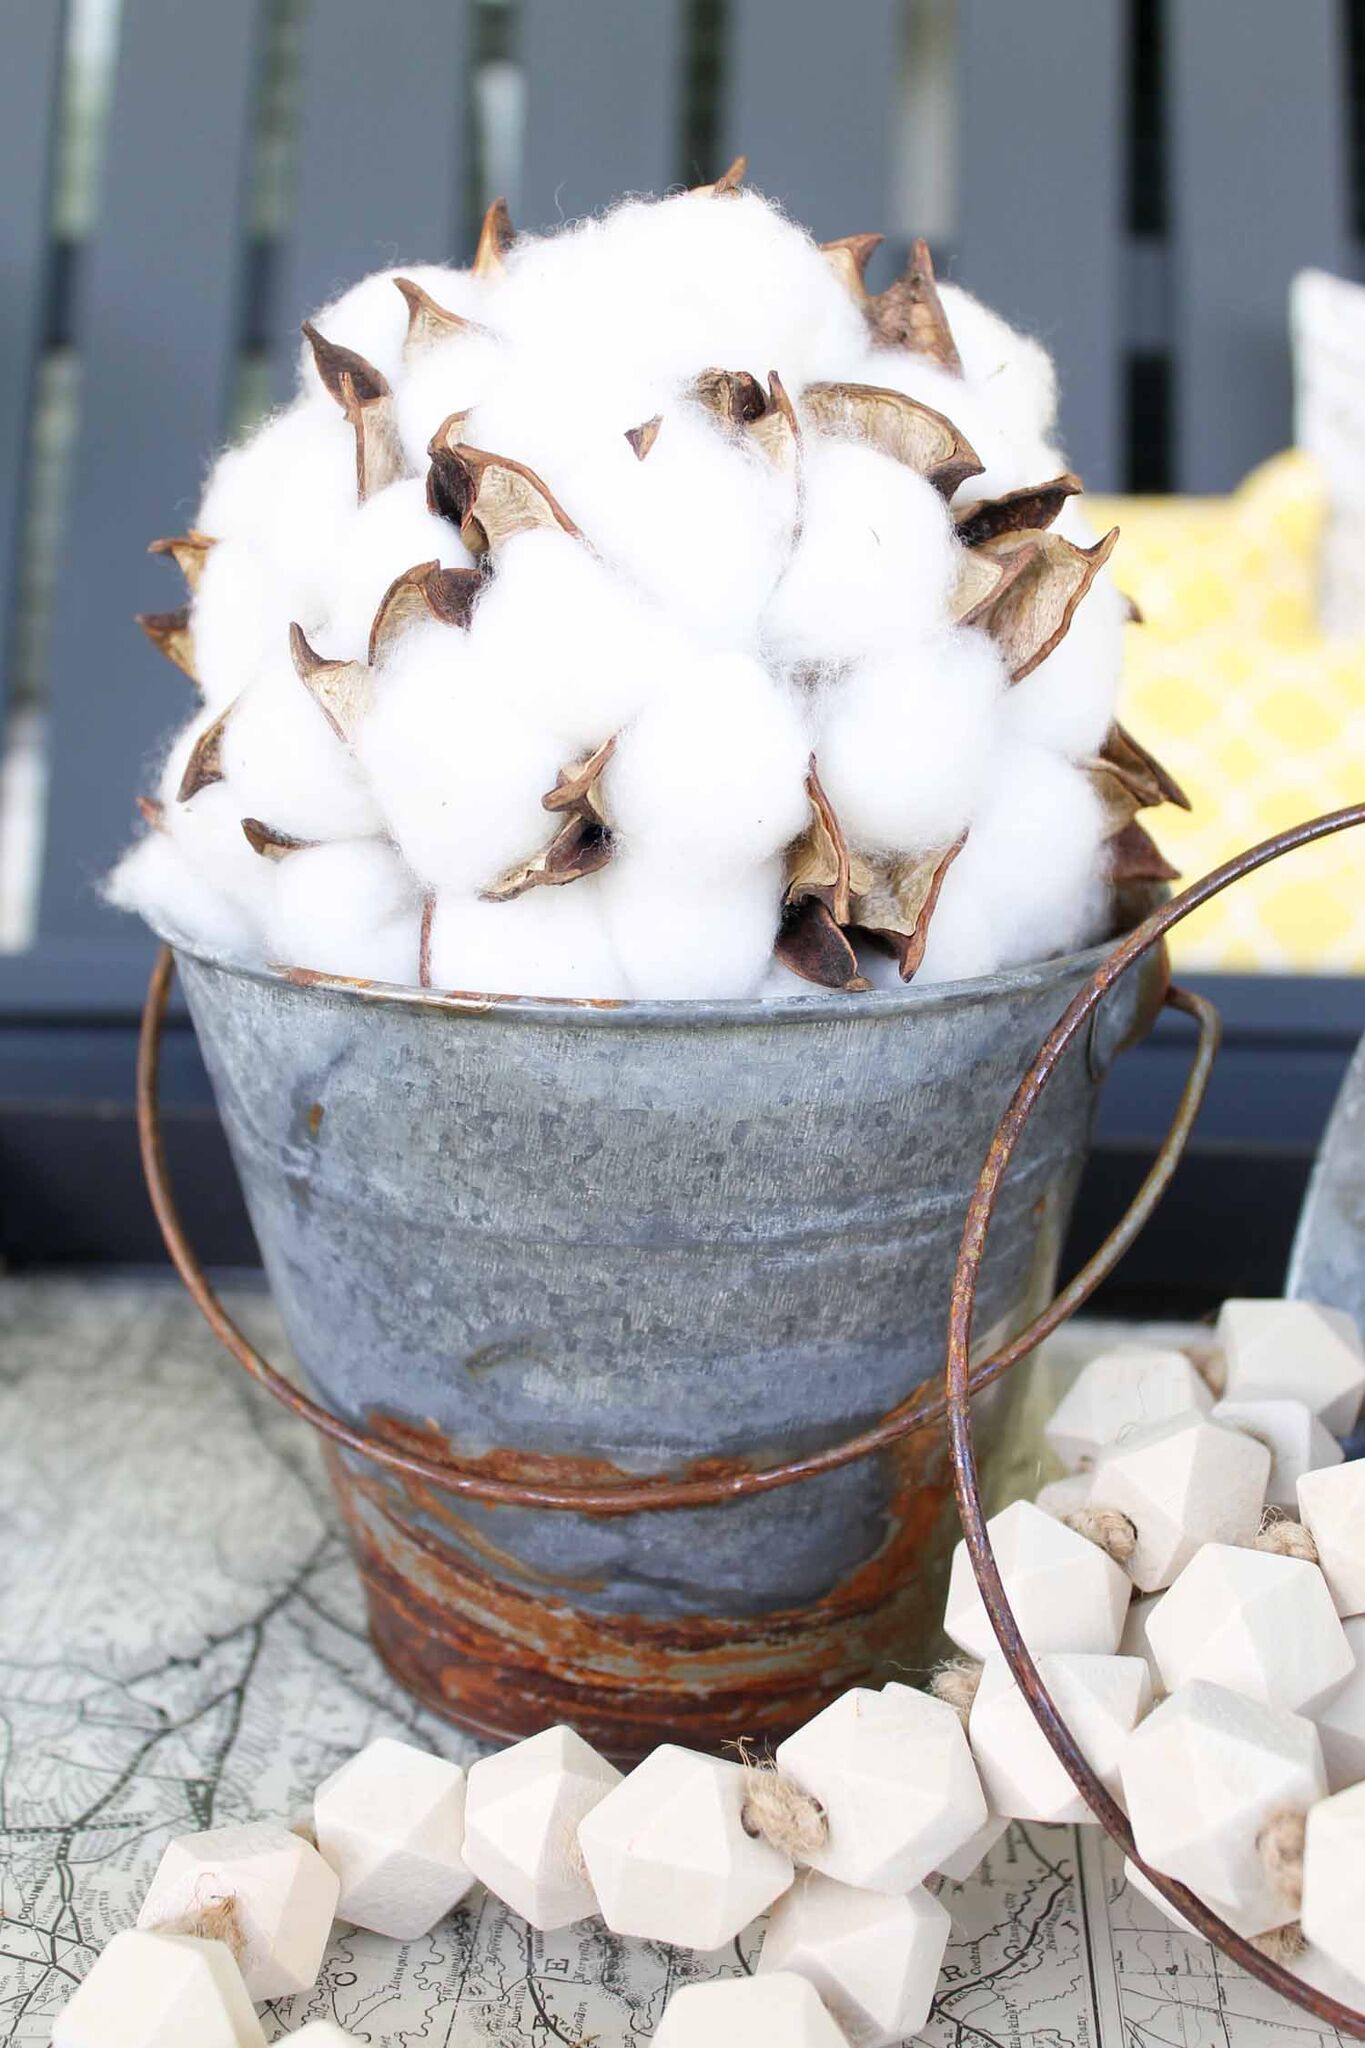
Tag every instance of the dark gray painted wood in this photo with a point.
(812, 97)
(29, 83)
(381, 150)
(1040, 197)
(158, 337)
(1258, 190)
(603, 91)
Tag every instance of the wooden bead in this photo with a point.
(1294, 1349)
(283, 1898)
(1332, 1509)
(964, 1862)
(1143, 1886)
(522, 1815)
(390, 1822)
(1061, 1497)
(1065, 1592)
(1293, 1435)
(1334, 1879)
(669, 1857)
(1101, 1699)
(147, 1990)
(874, 1960)
(1202, 1776)
(1259, 1624)
(1128, 1388)
(895, 1777)
(1340, 1718)
(1182, 1483)
(775, 2010)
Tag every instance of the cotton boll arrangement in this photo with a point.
(649, 610)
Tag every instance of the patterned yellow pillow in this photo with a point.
(1231, 683)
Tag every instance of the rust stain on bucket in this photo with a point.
(475, 1635)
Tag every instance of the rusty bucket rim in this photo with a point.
(959, 1377)
(688, 1013)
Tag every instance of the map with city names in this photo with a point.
(182, 1644)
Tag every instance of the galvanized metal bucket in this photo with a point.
(583, 1277)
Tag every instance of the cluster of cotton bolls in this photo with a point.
(650, 611)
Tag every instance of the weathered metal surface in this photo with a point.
(586, 1242)
(1010, 1137)
(1327, 1262)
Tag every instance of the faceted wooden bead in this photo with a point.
(1182, 1483)
(966, 1861)
(522, 1815)
(390, 1822)
(1291, 1432)
(1239, 1923)
(1067, 1594)
(1340, 1718)
(1260, 1624)
(1332, 1509)
(147, 1990)
(1128, 1388)
(874, 1960)
(283, 1899)
(1296, 1349)
(776, 2009)
(896, 1780)
(1202, 1776)
(1101, 1699)
(1333, 1913)
(669, 1856)
(1061, 1497)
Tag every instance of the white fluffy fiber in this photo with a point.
(722, 616)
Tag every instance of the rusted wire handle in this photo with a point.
(961, 1381)
(927, 1405)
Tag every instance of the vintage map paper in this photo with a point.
(181, 1643)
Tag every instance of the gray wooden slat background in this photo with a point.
(29, 80)
(1040, 200)
(1258, 183)
(159, 330)
(381, 145)
(602, 104)
(383, 170)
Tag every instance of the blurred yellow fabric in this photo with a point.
(1230, 683)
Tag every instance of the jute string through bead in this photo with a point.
(786, 1817)
(1113, 1531)
(215, 1919)
(955, 1682)
(1284, 1537)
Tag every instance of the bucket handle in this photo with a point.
(472, 1478)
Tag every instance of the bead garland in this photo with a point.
(1245, 1780)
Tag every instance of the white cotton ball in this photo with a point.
(207, 832)
(351, 908)
(1012, 371)
(289, 491)
(547, 942)
(240, 617)
(875, 563)
(1068, 701)
(155, 879)
(458, 774)
(703, 525)
(678, 935)
(904, 742)
(682, 284)
(1010, 455)
(1030, 873)
(286, 766)
(575, 648)
(372, 319)
(390, 532)
(454, 375)
(713, 775)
